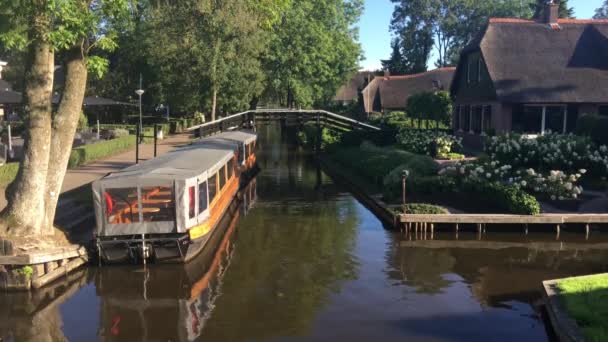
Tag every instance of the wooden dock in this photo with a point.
(424, 222)
(505, 219)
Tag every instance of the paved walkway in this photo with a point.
(85, 174)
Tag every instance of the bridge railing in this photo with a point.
(247, 118)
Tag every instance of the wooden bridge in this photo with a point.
(285, 116)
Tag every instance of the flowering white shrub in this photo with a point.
(556, 185)
(423, 141)
(568, 153)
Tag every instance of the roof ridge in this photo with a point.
(559, 21)
(401, 77)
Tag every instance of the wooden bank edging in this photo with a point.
(24, 270)
(374, 204)
(565, 327)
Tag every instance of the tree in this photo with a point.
(564, 10)
(430, 106)
(395, 64)
(70, 29)
(602, 12)
(312, 51)
(445, 25)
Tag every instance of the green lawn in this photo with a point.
(586, 300)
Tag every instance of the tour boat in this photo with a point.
(168, 208)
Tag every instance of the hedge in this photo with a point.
(8, 172)
(594, 126)
(421, 209)
(87, 153)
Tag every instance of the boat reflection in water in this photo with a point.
(141, 303)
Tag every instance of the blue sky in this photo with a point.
(376, 39)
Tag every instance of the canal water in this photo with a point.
(305, 261)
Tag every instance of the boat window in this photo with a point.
(230, 168)
(247, 151)
(212, 187)
(222, 175)
(191, 202)
(241, 153)
(202, 197)
(121, 205)
(158, 204)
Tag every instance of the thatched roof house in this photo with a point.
(350, 91)
(386, 93)
(532, 76)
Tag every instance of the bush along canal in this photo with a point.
(309, 261)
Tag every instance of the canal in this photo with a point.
(306, 261)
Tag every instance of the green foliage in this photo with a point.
(312, 51)
(423, 209)
(568, 153)
(602, 12)
(8, 172)
(87, 153)
(83, 122)
(450, 156)
(594, 126)
(383, 165)
(27, 271)
(585, 301)
(565, 11)
(431, 143)
(447, 25)
(506, 198)
(435, 106)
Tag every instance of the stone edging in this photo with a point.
(565, 327)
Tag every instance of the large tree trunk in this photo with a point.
(64, 127)
(25, 210)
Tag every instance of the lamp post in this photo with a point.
(404, 174)
(139, 93)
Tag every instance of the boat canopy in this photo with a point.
(154, 196)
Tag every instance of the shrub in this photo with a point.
(87, 153)
(83, 122)
(421, 209)
(120, 132)
(431, 143)
(593, 126)
(8, 172)
(504, 197)
(568, 153)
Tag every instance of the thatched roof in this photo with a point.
(532, 62)
(350, 91)
(394, 91)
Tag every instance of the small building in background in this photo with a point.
(349, 92)
(390, 93)
(531, 76)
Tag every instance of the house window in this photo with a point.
(540, 119)
(473, 69)
(476, 119)
(465, 116)
(457, 110)
(487, 119)
(603, 110)
(555, 119)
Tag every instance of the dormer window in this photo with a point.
(473, 69)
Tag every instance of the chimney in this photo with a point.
(551, 12)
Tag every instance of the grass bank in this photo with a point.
(586, 301)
